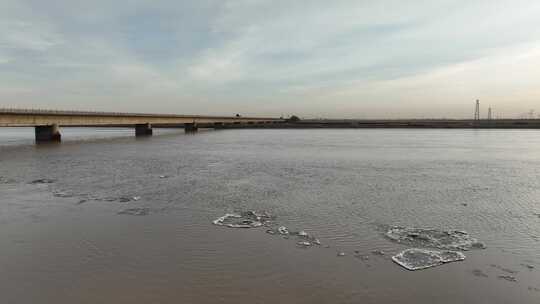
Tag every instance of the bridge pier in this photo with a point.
(143, 130)
(191, 127)
(48, 134)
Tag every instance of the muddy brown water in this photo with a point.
(84, 238)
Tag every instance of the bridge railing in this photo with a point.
(18, 111)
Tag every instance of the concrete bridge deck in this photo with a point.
(47, 122)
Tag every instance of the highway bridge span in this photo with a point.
(48, 122)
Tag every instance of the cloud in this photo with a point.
(347, 58)
(448, 91)
(4, 59)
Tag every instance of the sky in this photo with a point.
(320, 58)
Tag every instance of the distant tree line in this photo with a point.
(293, 118)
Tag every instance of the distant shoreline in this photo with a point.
(403, 123)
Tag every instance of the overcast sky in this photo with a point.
(349, 58)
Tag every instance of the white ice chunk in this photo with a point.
(416, 259)
(283, 230)
(433, 238)
(247, 219)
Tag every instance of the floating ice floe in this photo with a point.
(433, 238)
(417, 259)
(304, 244)
(247, 219)
(251, 219)
(360, 256)
(303, 238)
(378, 252)
(283, 230)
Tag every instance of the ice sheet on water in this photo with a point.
(251, 219)
(246, 219)
(303, 239)
(283, 230)
(448, 256)
(417, 259)
(304, 244)
(306, 238)
(434, 238)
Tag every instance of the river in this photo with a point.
(120, 219)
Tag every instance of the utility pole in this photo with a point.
(477, 110)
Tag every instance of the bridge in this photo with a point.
(47, 123)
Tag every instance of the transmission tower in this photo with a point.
(477, 110)
(489, 114)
